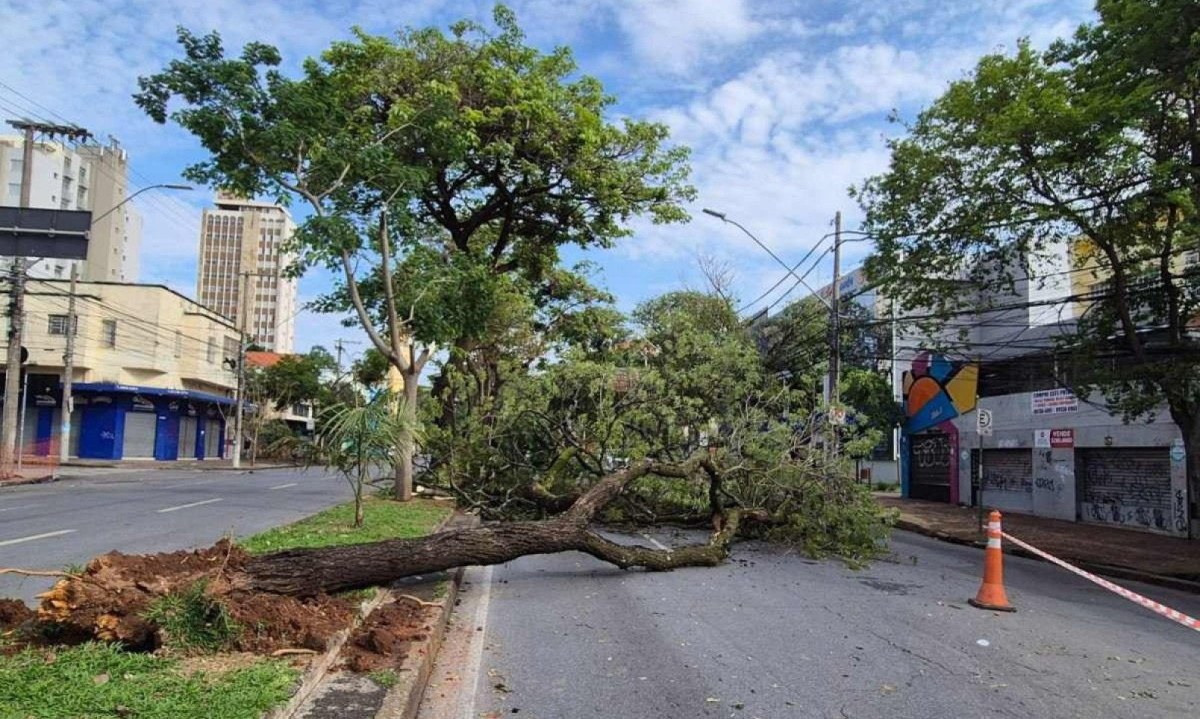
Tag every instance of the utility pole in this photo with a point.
(835, 345)
(16, 307)
(243, 301)
(64, 437)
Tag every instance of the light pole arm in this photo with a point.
(723, 218)
(122, 203)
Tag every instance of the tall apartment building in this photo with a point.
(86, 177)
(241, 269)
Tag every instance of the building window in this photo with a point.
(212, 350)
(178, 343)
(108, 332)
(58, 325)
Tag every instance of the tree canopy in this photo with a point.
(1091, 148)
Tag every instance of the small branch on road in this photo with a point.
(37, 573)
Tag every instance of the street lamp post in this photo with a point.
(64, 437)
(832, 306)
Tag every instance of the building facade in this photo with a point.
(242, 269)
(1045, 450)
(85, 177)
(152, 378)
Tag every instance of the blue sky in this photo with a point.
(784, 103)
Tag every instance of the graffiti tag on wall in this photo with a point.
(931, 452)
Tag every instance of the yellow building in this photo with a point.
(150, 376)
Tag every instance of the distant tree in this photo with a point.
(294, 379)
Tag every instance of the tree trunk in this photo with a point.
(333, 569)
(407, 445)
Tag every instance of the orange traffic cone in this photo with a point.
(991, 593)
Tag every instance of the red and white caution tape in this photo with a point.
(1172, 614)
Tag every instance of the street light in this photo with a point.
(64, 438)
(161, 186)
(723, 218)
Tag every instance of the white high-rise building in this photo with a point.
(242, 265)
(86, 177)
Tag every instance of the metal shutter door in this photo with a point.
(139, 434)
(1007, 478)
(28, 431)
(1127, 486)
(929, 467)
(76, 429)
(1008, 470)
(212, 438)
(187, 437)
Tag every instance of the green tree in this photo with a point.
(1093, 145)
(435, 166)
(356, 440)
(294, 379)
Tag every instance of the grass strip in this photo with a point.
(100, 680)
(383, 519)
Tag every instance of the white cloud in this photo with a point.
(783, 103)
(675, 36)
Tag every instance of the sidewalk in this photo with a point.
(78, 468)
(1126, 553)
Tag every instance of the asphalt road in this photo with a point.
(50, 526)
(775, 635)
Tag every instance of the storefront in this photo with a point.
(129, 422)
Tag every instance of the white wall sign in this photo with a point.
(983, 422)
(1041, 438)
(1054, 401)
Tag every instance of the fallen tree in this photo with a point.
(109, 599)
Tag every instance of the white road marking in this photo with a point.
(23, 506)
(186, 506)
(285, 486)
(478, 638)
(657, 544)
(30, 538)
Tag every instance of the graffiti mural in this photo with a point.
(937, 390)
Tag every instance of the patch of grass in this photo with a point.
(358, 596)
(192, 620)
(386, 678)
(441, 590)
(384, 519)
(99, 680)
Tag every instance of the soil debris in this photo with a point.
(383, 641)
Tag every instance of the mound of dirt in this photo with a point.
(384, 639)
(109, 600)
(271, 621)
(14, 613)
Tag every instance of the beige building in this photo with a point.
(85, 177)
(241, 269)
(150, 373)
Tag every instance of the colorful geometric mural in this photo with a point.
(937, 390)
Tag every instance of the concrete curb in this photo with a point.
(318, 670)
(27, 480)
(1109, 570)
(403, 701)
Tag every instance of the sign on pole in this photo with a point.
(34, 232)
(983, 422)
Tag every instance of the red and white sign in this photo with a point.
(1062, 438)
